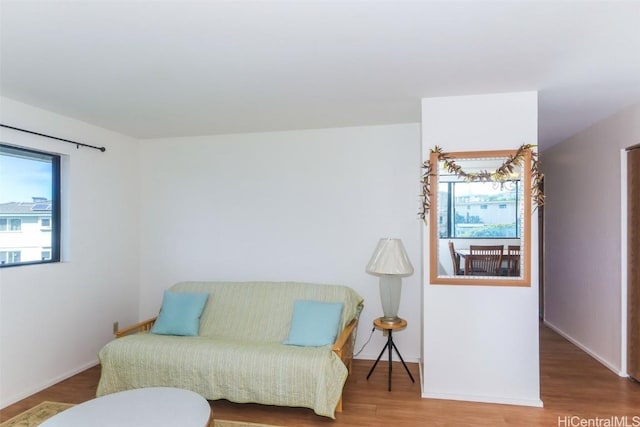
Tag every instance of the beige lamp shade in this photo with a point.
(390, 257)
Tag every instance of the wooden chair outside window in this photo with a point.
(513, 265)
(455, 260)
(484, 260)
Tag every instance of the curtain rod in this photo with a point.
(77, 144)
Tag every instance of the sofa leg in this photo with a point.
(339, 405)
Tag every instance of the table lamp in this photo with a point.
(390, 262)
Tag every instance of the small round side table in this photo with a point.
(390, 327)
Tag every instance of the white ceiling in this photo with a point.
(179, 68)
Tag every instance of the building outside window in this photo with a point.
(479, 210)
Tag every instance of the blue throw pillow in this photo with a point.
(314, 323)
(180, 313)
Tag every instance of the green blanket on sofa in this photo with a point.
(239, 354)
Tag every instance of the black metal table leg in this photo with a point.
(377, 360)
(390, 345)
(403, 364)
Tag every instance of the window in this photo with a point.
(10, 224)
(479, 210)
(29, 206)
(15, 224)
(9, 257)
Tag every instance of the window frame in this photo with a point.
(528, 178)
(55, 229)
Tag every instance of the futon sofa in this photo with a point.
(251, 344)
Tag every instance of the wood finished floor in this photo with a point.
(572, 384)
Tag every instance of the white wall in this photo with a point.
(54, 318)
(299, 205)
(583, 235)
(481, 342)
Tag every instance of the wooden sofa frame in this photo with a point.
(342, 347)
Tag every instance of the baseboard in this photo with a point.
(584, 348)
(484, 399)
(16, 398)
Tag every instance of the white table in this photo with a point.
(143, 407)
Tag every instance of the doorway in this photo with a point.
(633, 262)
(541, 256)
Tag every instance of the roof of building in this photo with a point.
(26, 208)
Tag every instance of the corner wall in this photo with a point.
(305, 205)
(481, 342)
(583, 297)
(54, 318)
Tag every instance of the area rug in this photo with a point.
(37, 415)
(226, 423)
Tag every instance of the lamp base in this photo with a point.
(390, 320)
(390, 286)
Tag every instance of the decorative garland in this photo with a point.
(503, 173)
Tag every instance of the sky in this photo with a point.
(21, 179)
